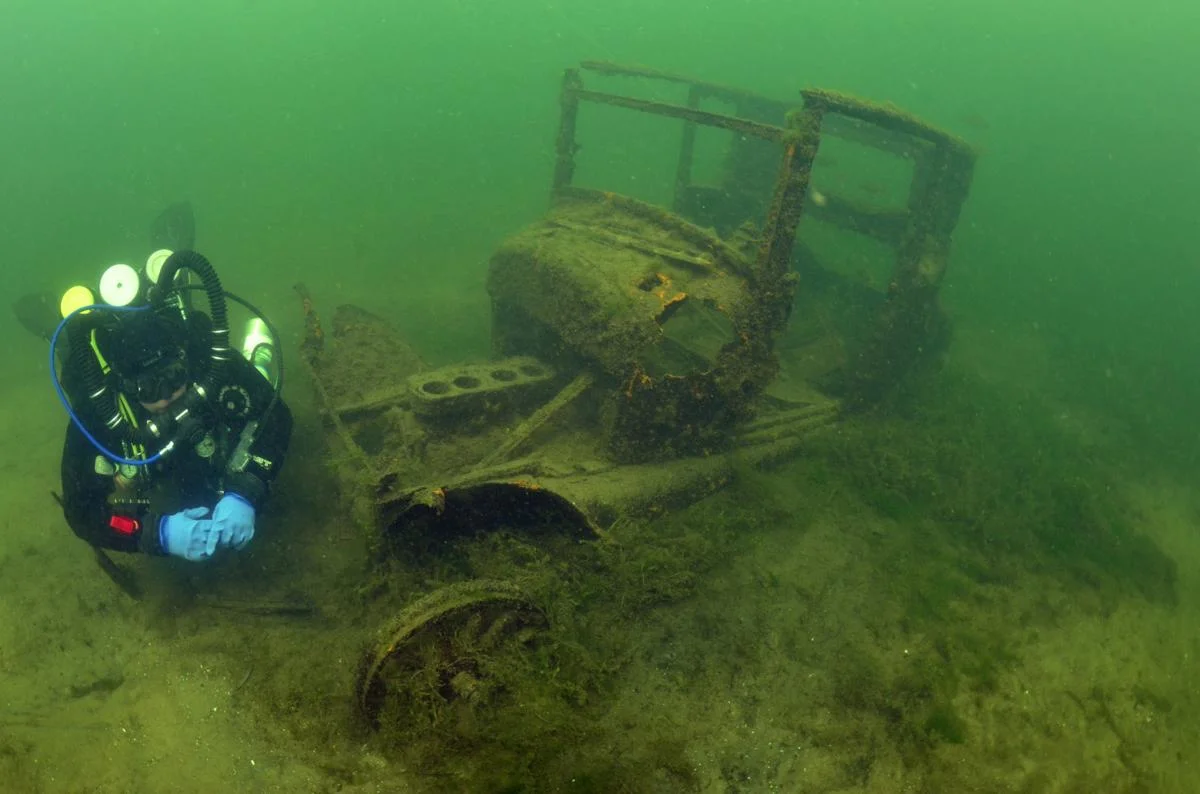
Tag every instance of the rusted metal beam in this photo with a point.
(704, 88)
(521, 434)
(687, 150)
(312, 348)
(888, 117)
(565, 146)
(779, 231)
(767, 132)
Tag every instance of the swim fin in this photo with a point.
(174, 228)
(38, 313)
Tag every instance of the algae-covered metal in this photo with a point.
(668, 317)
(436, 643)
(643, 354)
(637, 345)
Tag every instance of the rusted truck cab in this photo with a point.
(644, 350)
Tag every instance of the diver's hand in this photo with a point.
(233, 521)
(185, 534)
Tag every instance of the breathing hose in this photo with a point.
(103, 399)
(79, 335)
(219, 336)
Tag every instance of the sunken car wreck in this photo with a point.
(640, 349)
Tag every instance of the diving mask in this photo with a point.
(160, 379)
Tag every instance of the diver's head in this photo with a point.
(150, 358)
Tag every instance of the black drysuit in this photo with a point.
(109, 508)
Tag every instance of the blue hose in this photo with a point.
(62, 395)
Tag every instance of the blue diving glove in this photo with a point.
(185, 534)
(233, 521)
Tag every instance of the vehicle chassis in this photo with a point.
(635, 361)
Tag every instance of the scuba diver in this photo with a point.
(175, 437)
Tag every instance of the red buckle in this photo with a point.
(124, 525)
